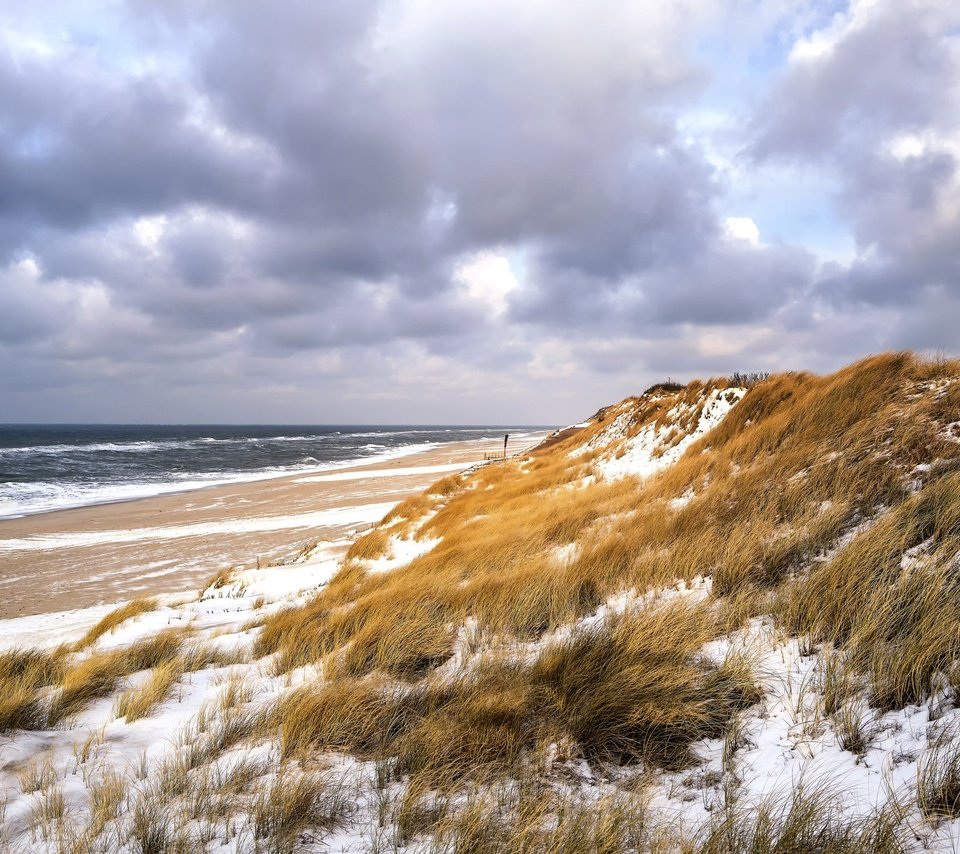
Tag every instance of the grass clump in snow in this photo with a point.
(899, 625)
(446, 486)
(37, 775)
(151, 831)
(293, 802)
(632, 689)
(48, 814)
(23, 674)
(415, 641)
(140, 700)
(938, 780)
(536, 819)
(97, 675)
(370, 546)
(115, 618)
(806, 822)
(107, 796)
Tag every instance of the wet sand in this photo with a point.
(113, 552)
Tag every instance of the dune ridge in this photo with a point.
(718, 617)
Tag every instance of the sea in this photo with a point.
(46, 467)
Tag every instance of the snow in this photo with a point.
(951, 432)
(682, 500)
(617, 429)
(785, 741)
(44, 631)
(359, 514)
(376, 473)
(650, 450)
(564, 555)
(400, 552)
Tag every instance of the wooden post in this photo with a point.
(506, 436)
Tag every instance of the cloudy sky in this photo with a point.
(467, 211)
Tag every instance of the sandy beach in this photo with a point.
(109, 553)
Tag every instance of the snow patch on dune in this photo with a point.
(400, 552)
(653, 447)
(788, 740)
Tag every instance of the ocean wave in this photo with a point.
(186, 443)
(146, 446)
(93, 447)
(42, 496)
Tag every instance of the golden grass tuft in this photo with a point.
(632, 689)
(901, 627)
(807, 821)
(938, 779)
(370, 546)
(23, 674)
(295, 802)
(97, 675)
(446, 486)
(117, 616)
(535, 818)
(37, 775)
(141, 700)
(107, 795)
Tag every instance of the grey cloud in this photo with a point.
(81, 147)
(322, 169)
(24, 310)
(722, 283)
(879, 109)
(888, 73)
(904, 219)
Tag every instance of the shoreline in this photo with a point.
(174, 488)
(81, 557)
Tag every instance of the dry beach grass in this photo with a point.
(552, 654)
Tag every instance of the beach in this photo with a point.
(108, 553)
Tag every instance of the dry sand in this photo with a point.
(113, 552)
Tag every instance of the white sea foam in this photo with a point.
(148, 446)
(26, 499)
(20, 497)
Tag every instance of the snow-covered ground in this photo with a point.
(656, 446)
(786, 742)
(783, 742)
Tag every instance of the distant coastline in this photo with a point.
(108, 553)
(46, 468)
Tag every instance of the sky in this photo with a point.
(468, 211)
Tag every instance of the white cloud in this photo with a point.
(821, 43)
(742, 228)
(149, 230)
(489, 278)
